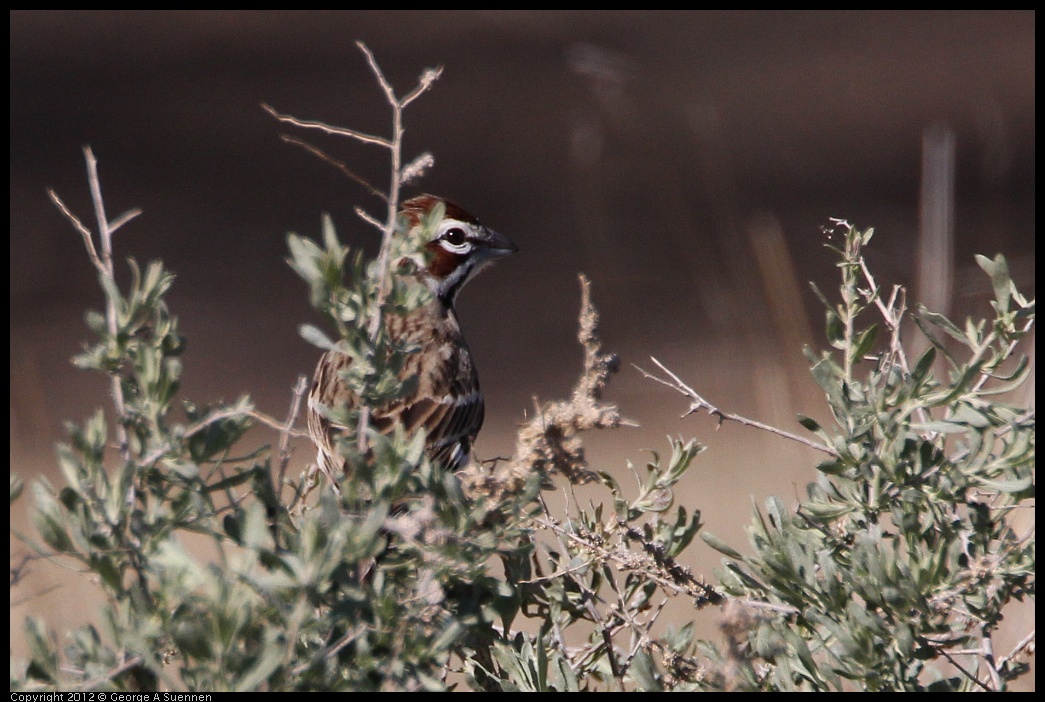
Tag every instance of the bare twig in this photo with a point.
(399, 175)
(1025, 643)
(893, 312)
(226, 413)
(637, 563)
(333, 649)
(369, 219)
(18, 571)
(396, 155)
(19, 601)
(340, 165)
(103, 262)
(88, 240)
(327, 129)
(548, 442)
(987, 651)
(118, 670)
(268, 421)
(288, 429)
(967, 673)
(589, 599)
(698, 403)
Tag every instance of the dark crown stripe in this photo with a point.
(417, 207)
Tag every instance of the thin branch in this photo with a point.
(969, 674)
(18, 602)
(429, 77)
(105, 232)
(987, 651)
(607, 639)
(589, 596)
(1019, 648)
(88, 240)
(893, 312)
(124, 219)
(985, 375)
(269, 422)
(340, 165)
(392, 216)
(379, 74)
(630, 564)
(369, 218)
(285, 432)
(645, 637)
(327, 129)
(118, 670)
(18, 572)
(890, 314)
(227, 413)
(583, 565)
(698, 403)
(398, 177)
(104, 264)
(333, 649)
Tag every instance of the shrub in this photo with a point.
(893, 574)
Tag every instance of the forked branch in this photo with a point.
(399, 176)
(103, 262)
(698, 403)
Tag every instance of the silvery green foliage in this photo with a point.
(907, 549)
(391, 583)
(218, 577)
(372, 588)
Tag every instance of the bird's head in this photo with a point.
(460, 247)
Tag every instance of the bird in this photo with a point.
(446, 401)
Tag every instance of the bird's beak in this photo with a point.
(498, 245)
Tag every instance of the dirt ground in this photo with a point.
(684, 161)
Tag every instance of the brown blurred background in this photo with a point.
(684, 161)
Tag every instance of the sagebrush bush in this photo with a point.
(893, 574)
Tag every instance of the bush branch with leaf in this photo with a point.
(892, 574)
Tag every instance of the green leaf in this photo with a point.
(316, 337)
(644, 672)
(1016, 485)
(835, 330)
(43, 665)
(832, 466)
(940, 426)
(561, 676)
(16, 487)
(268, 660)
(941, 322)
(864, 342)
(820, 295)
(720, 545)
(656, 500)
(810, 424)
(827, 375)
(826, 512)
(255, 529)
(1001, 281)
(106, 568)
(49, 520)
(923, 366)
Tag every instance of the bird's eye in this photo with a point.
(454, 237)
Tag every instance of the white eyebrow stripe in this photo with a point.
(462, 248)
(471, 232)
